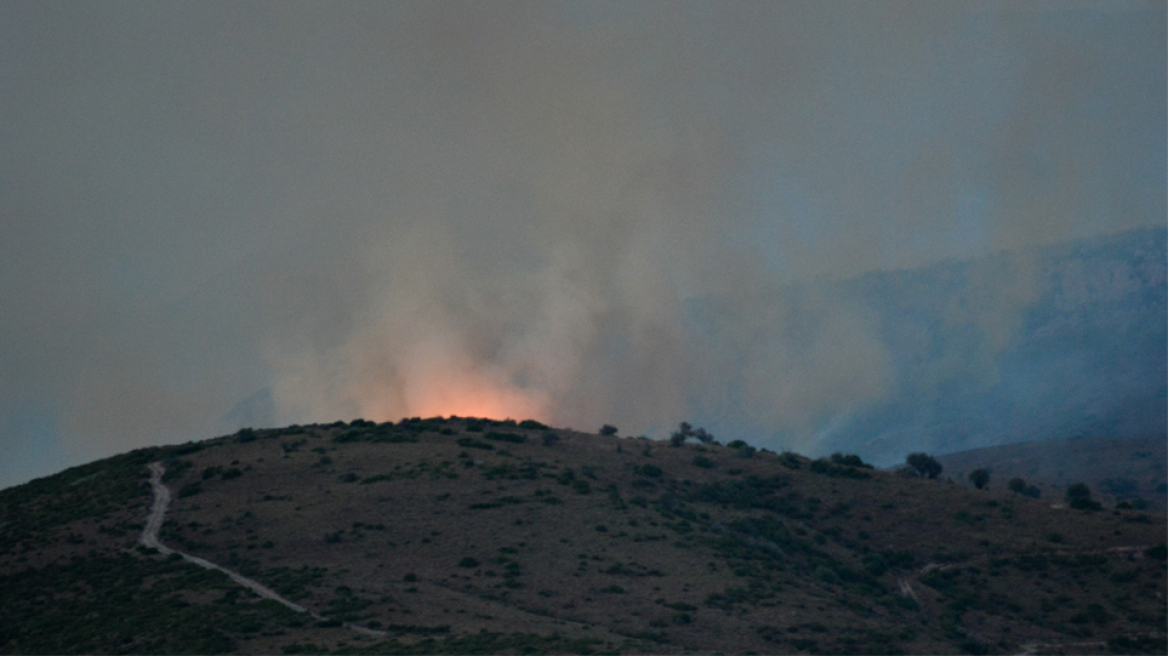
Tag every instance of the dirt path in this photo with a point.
(150, 539)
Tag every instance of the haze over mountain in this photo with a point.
(875, 227)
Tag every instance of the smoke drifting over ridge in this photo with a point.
(527, 209)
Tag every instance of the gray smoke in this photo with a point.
(219, 214)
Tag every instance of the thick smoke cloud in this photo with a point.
(217, 215)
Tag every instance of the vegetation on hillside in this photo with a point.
(479, 536)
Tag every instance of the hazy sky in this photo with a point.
(378, 210)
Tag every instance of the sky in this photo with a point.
(223, 214)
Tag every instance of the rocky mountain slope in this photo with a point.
(473, 536)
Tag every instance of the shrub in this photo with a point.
(514, 438)
(472, 443)
(736, 444)
(850, 460)
(190, 490)
(924, 464)
(608, 429)
(1016, 485)
(825, 466)
(549, 438)
(1079, 497)
(703, 462)
(468, 562)
(980, 477)
(647, 470)
(532, 424)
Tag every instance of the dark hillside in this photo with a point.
(473, 536)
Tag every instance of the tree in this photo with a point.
(1017, 485)
(1079, 496)
(980, 477)
(608, 429)
(924, 464)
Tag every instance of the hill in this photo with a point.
(473, 536)
(1133, 470)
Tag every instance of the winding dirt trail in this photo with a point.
(150, 539)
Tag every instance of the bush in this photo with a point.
(850, 460)
(514, 438)
(825, 466)
(468, 562)
(980, 477)
(1079, 497)
(924, 464)
(549, 438)
(1016, 485)
(608, 429)
(532, 424)
(647, 470)
(703, 462)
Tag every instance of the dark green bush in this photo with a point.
(980, 477)
(850, 460)
(515, 438)
(924, 464)
(1079, 497)
(472, 443)
(647, 470)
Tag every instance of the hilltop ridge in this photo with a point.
(477, 536)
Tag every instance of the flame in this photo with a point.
(472, 396)
(440, 379)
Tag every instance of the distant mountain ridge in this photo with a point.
(1129, 469)
(1068, 339)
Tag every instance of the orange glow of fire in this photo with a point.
(442, 381)
(473, 396)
